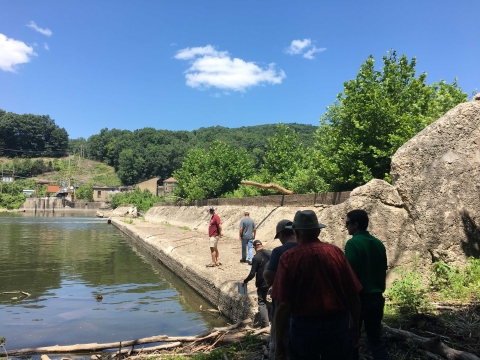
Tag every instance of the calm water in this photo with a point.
(64, 261)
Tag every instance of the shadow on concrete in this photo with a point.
(471, 247)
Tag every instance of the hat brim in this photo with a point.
(276, 235)
(293, 227)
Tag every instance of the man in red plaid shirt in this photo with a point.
(317, 291)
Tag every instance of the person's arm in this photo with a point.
(351, 255)
(220, 230)
(253, 270)
(240, 232)
(353, 304)
(269, 276)
(282, 317)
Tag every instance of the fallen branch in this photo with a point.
(433, 345)
(268, 186)
(16, 292)
(214, 333)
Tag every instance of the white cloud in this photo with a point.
(13, 52)
(213, 68)
(304, 47)
(297, 46)
(173, 44)
(45, 45)
(313, 50)
(190, 53)
(46, 32)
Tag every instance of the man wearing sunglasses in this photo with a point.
(368, 259)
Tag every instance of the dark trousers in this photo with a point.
(263, 306)
(371, 315)
(311, 337)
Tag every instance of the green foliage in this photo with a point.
(142, 200)
(286, 163)
(11, 194)
(407, 294)
(85, 192)
(212, 173)
(377, 113)
(147, 153)
(456, 283)
(31, 135)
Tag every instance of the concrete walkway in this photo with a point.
(186, 253)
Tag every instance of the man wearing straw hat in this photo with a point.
(316, 291)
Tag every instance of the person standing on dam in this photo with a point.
(368, 258)
(261, 258)
(214, 232)
(247, 233)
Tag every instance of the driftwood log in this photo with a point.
(433, 345)
(220, 335)
(16, 292)
(268, 186)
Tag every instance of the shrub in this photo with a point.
(407, 293)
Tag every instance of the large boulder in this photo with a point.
(389, 221)
(437, 175)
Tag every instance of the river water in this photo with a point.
(64, 261)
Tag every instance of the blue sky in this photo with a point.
(182, 65)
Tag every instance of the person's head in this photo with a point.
(257, 245)
(306, 226)
(212, 210)
(357, 220)
(282, 233)
(246, 213)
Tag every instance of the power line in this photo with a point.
(36, 151)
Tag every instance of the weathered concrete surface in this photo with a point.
(186, 252)
(437, 175)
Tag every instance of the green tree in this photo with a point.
(377, 112)
(84, 192)
(212, 173)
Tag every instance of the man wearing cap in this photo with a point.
(214, 231)
(247, 234)
(289, 241)
(259, 261)
(317, 291)
(368, 258)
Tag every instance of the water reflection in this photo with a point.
(88, 283)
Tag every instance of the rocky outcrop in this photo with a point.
(437, 175)
(389, 221)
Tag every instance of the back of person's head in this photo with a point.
(360, 217)
(307, 235)
(287, 232)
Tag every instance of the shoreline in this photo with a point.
(183, 252)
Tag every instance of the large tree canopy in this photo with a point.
(378, 111)
(212, 173)
(30, 135)
(162, 151)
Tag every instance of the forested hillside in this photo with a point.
(31, 136)
(141, 154)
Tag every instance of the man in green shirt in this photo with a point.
(368, 259)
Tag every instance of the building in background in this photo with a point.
(169, 185)
(101, 193)
(150, 185)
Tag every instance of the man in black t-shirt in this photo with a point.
(259, 261)
(289, 240)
